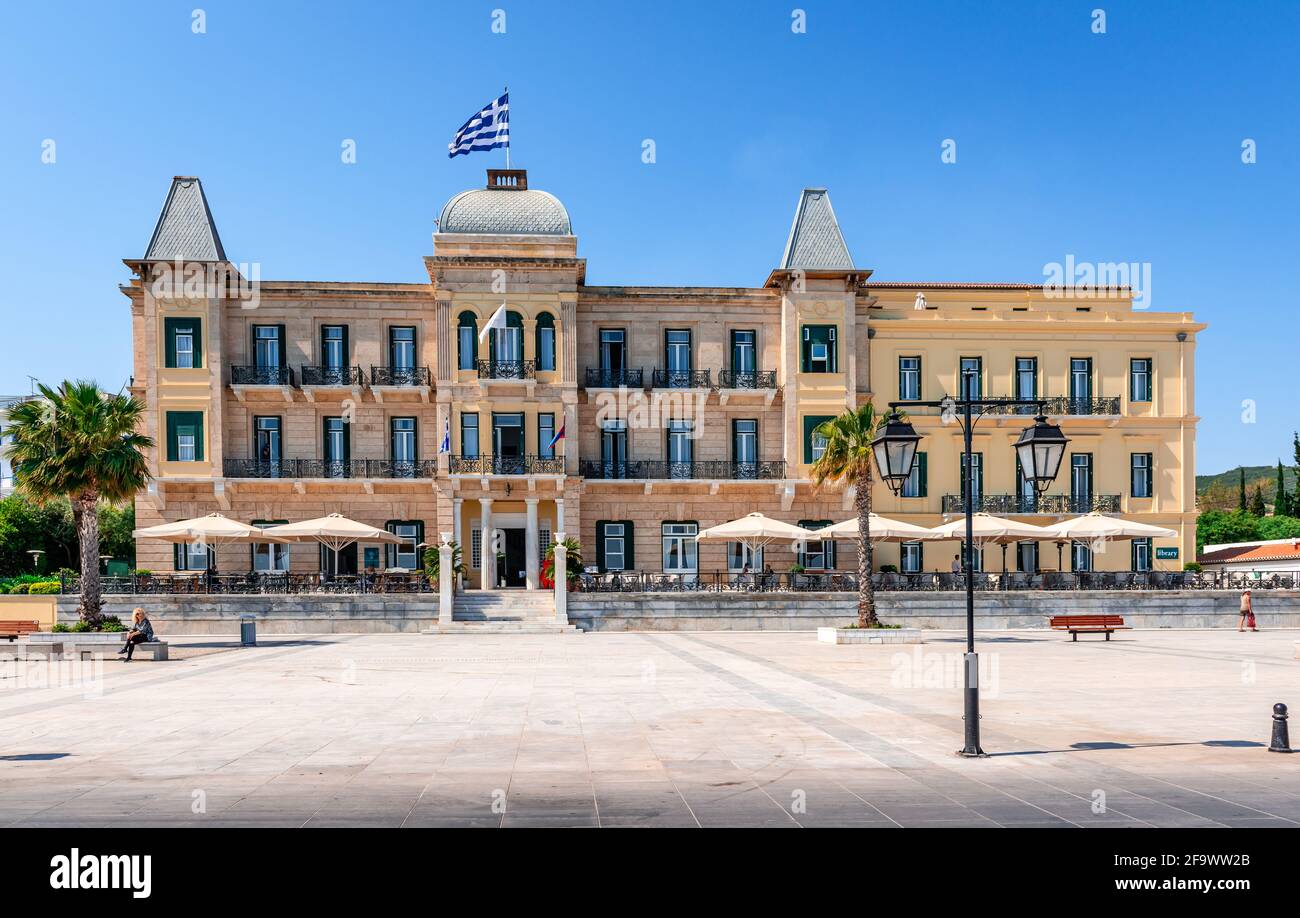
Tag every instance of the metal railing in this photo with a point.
(704, 469)
(598, 378)
(205, 582)
(1044, 503)
(507, 369)
(506, 465)
(399, 376)
(333, 376)
(330, 468)
(747, 379)
(682, 379)
(261, 376)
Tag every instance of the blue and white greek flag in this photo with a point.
(487, 130)
(445, 445)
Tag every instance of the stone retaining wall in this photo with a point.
(351, 614)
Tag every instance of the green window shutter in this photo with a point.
(600, 545)
(921, 475)
(169, 336)
(284, 355)
(170, 325)
(811, 423)
(176, 557)
(198, 344)
(175, 421)
(347, 348)
(629, 544)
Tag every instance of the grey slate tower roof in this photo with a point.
(185, 227)
(816, 243)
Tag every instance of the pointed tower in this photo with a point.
(820, 327)
(185, 228)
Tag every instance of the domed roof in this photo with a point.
(505, 210)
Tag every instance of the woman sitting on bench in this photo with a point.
(140, 633)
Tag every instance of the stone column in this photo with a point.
(445, 597)
(532, 538)
(559, 516)
(561, 582)
(457, 533)
(489, 555)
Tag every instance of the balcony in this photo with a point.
(1062, 406)
(704, 469)
(335, 377)
(1052, 504)
(399, 377)
(682, 379)
(507, 369)
(330, 468)
(506, 465)
(598, 378)
(261, 376)
(747, 379)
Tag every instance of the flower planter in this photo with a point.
(869, 635)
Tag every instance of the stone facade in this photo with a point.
(279, 401)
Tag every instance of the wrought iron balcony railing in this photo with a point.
(1004, 504)
(330, 468)
(747, 379)
(399, 376)
(599, 378)
(703, 469)
(261, 376)
(333, 376)
(507, 369)
(682, 379)
(1061, 406)
(506, 465)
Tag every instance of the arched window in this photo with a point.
(545, 342)
(467, 339)
(507, 344)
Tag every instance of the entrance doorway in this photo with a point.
(347, 561)
(514, 572)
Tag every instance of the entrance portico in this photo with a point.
(508, 540)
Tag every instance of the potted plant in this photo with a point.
(433, 564)
(572, 564)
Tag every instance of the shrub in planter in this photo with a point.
(1192, 567)
(889, 569)
(113, 626)
(48, 588)
(61, 628)
(572, 562)
(19, 588)
(82, 627)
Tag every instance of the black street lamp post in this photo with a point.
(1040, 449)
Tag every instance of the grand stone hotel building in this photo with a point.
(682, 407)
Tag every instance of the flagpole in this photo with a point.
(507, 95)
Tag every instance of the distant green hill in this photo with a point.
(1231, 480)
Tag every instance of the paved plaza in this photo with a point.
(1155, 728)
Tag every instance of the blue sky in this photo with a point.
(1117, 147)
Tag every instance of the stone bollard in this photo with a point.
(559, 572)
(1281, 742)
(446, 601)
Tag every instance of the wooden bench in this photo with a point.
(12, 630)
(1089, 624)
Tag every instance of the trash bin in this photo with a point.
(248, 630)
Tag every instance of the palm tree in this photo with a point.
(847, 459)
(81, 443)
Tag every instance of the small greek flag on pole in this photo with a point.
(559, 435)
(445, 445)
(487, 130)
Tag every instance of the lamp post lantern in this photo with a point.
(1040, 449)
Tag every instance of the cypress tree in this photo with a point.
(1241, 493)
(1257, 502)
(1281, 503)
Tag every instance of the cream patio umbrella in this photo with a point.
(882, 530)
(212, 530)
(754, 531)
(336, 532)
(1098, 528)
(987, 529)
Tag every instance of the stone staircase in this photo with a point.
(507, 612)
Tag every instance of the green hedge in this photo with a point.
(46, 588)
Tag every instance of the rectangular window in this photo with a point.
(268, 556)
(1080, 557)
(545, 343)
(744, 446)
(679, 548)
(1081, 482)
(545, 433)
(743, 559)
(915, 485)
(744, 357)
(268, 346)
(1141, 555)
(469, 445)
(183, 347)
(185, 436)
(1139, 379)
(191, 556)
(613, 349)
(814, 444)
(615, 547)
(406, 554)
(977, 478)
(681, 450)
(336, 448)
(466, 343)
(677, 350)
(333, 347)
(403, 445)
(401, 347)
(818, 349)
(1027, 557)
(543, 540)
(909, 378)
(476, 548)
(1026, 379)
(972, 377)
(1141, 483)
(817, 555)
(1081, 385)
(266, 432)
(912, 555)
